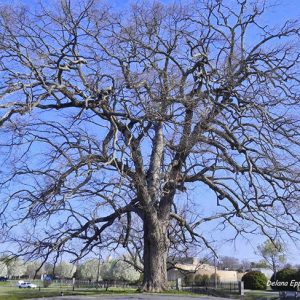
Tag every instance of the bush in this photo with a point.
(46, 283)
(255, 280)
(201, 279)
(212, 278)
(198, 279)
(189, 279)
(285, 276)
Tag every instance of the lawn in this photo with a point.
(261, 295)
(13, 293)
(10, 291)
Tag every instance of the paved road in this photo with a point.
(134, 297)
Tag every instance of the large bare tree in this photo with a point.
(107, 117)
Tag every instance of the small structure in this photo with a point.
(179, 268)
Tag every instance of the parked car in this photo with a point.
(27, 285)
(3, 278)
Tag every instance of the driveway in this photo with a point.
(134, 297)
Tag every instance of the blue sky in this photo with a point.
(284, 9)
(241, 248)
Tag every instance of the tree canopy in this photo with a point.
(273, 254)
(109, 119)
(90, 269)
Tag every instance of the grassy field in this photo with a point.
(14, 293)
(9, 291)
(261, 295)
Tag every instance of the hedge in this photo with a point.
(255, 280)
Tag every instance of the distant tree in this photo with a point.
(125, 271)
(106, 271)
(3, 269)
(15, 268)
(228, 262)
(34, 269)
(245, 265)
(49, 268)
(259, 264)
(119, 270)
(273, 254)
(65, 270)
(90, 269)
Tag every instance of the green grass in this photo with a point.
(259, 295)
(9, 292)
(14, 293)
(4, 284)
(182, 293)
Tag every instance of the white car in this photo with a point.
(27, 285)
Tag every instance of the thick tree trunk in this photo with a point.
(156, 245)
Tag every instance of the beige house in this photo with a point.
(192, 265)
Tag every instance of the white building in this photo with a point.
(192, 265)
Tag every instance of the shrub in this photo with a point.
(285, 276)
(46, 283)
(198, 279)
(205, 279)
(212, 278)
(255, 280)
(189, 279)
(201, 279)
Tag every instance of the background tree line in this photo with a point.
(93, 270)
